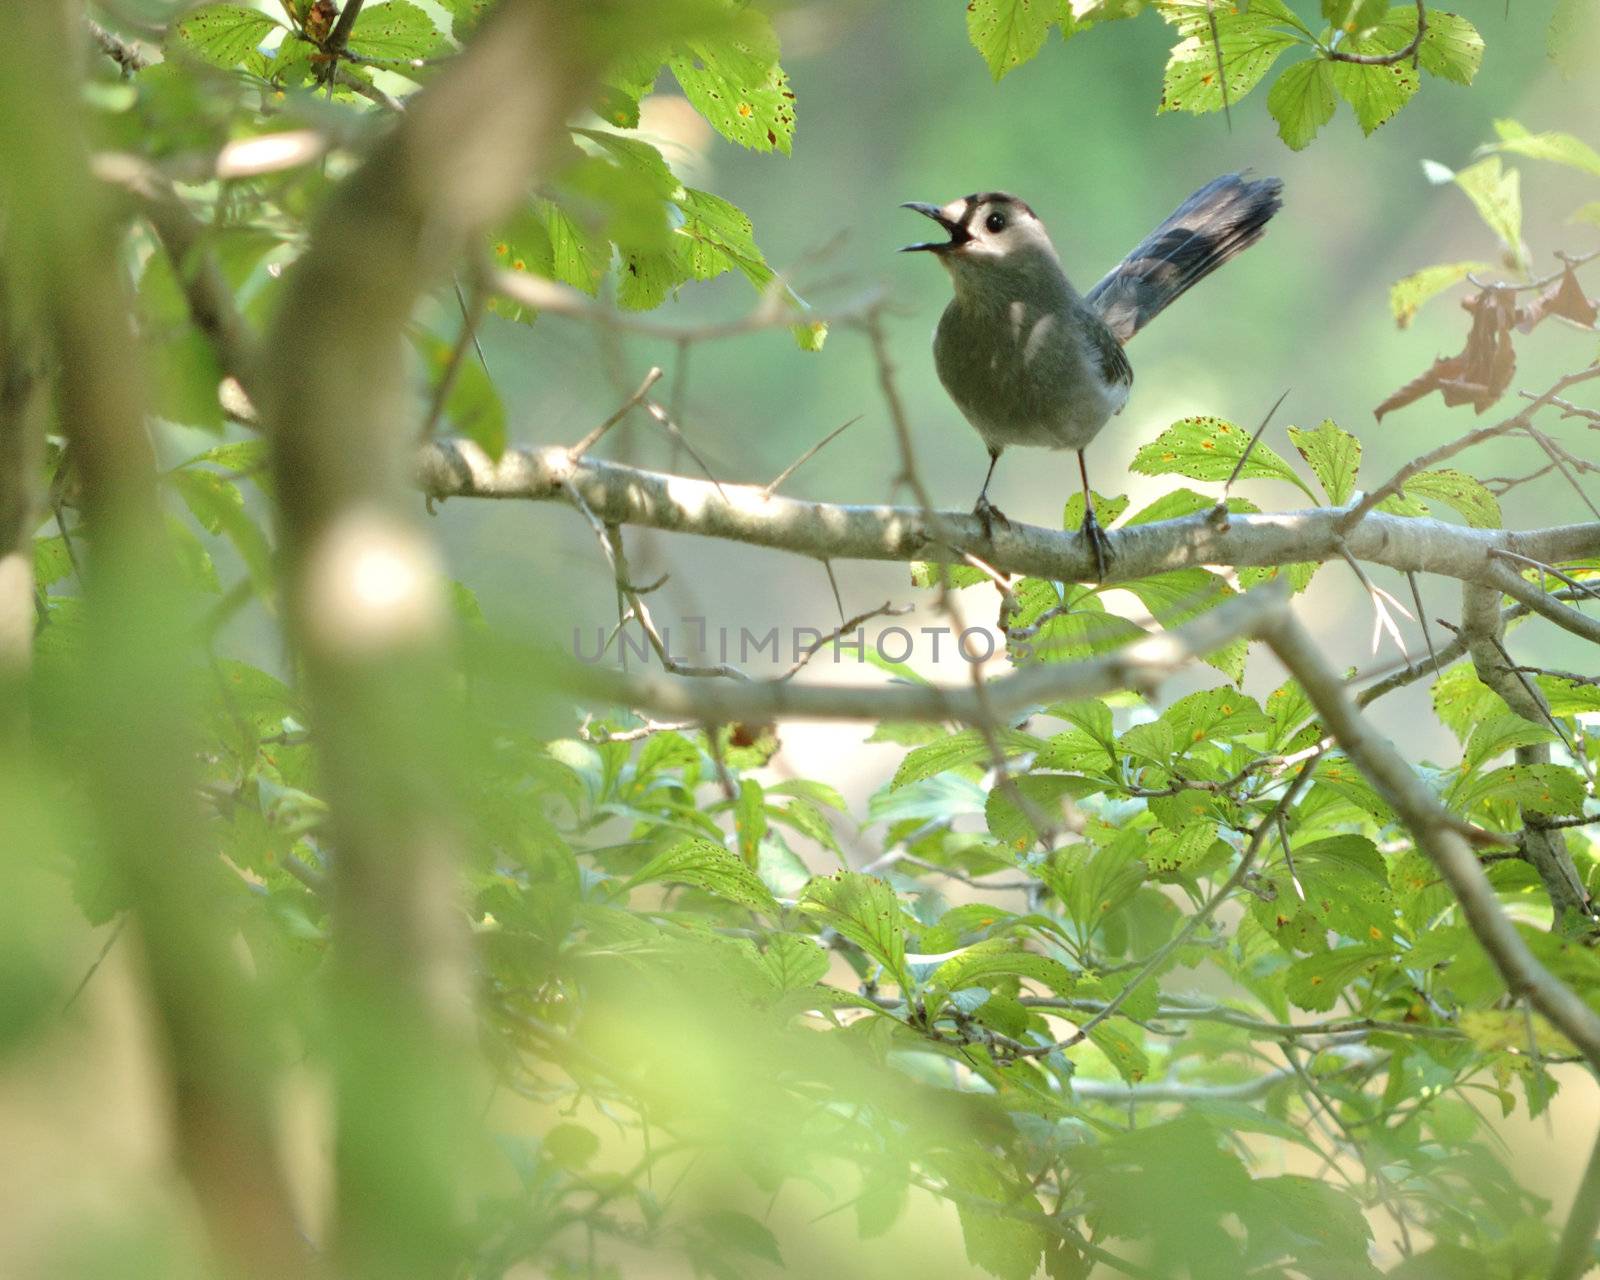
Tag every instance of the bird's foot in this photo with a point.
(1099, 544)
(989, 516)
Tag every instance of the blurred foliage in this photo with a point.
(711, 993)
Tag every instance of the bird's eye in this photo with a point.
(995, 222)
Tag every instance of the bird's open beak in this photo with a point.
(958, 233)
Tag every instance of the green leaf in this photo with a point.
(1117, 1038)
(464, 15)
(220, 34)
(865, 910)
(1353, 15)
(1407, 295)
(734, 81)
(1377, 92)
(1009, 32)
(1458, 490)
(1180, 502)
(1451, 47)
(1248, 40)
(1106, 510)
(1559, 148)
(709, 866)
(474, 406)
(793, 962)
(1170, 852)
(1496, 735)
(571, 1146)
(1207, 448)
(1544, 788)
(1461, 700)
(1316, 982)
(217, 504)
(1302, 100)
(966, 747)
(1334, 457)
(1496, 193)
(394, 31)
(742, 1232)
(981, 964)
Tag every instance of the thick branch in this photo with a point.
(1140, 665)
(747, 513)
(1438, 834)
(133, 719)
(367, 612)
(1483, 629)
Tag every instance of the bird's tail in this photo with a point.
(1219, 220)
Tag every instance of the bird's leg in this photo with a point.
(988, 514)
(1099, 543)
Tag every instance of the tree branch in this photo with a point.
(1439, 835)
(1140, 665)
(747, 513)
(366, 611)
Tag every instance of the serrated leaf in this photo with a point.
(1543, 788)
(1451, 47)
(1407, 295)
(220, 34)
(966, 747)
(1106, 510)
(709, 866)
(1376, 93)
(394, 31)
(1506, 1030)
(217, 504)
(865, 910)
(981, 964)
(1496, 735)
(1461, 700)
(1009, 32)
(1458, 490)
(734, 81)
(1117, 1038)
(1176, 851)
(1316, 982)
(1180, 502)
(1246, 42)
(793, 962)
(1302, 100)
(1334, 456)
(1208, 448)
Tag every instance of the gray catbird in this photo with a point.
(1028, 359)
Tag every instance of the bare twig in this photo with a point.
(777, 482)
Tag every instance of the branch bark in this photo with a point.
(1483, 628)
(366, 610)
(132, 717)
(1141, 665)
(747, 513)
(1438, 834)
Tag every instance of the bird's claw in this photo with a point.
(990, 515)
(1099, 544)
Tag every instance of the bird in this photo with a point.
(1029, 360)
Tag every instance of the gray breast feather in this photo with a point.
(1031, 375)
